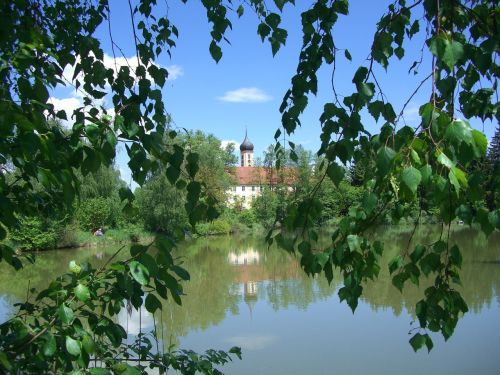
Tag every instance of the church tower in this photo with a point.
(246, 149)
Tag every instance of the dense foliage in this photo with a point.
(65, 326)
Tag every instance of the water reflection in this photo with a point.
(239, 287)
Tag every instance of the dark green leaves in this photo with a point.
(49, 347)
(335, 173)
(152, 303)
(215, 51)
(448, 51)
(419, 340)
(88, 344)
(366, 90)
(240, 10)
(139, 272)
(66, 314)
(411, 177)
(385, 158)
(263, 30)
(360, 75)
(459, 131)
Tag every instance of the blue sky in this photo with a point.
(244, 90)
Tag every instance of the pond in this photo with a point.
(242, 293)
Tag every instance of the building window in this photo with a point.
(234, 188)
(242, 188)
(253, 188)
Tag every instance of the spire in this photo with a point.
(246, 145)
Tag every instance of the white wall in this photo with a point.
(244, 192)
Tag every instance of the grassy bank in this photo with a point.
(112, 236)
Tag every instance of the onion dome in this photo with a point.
(246, 145)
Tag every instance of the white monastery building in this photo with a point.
(249, 181)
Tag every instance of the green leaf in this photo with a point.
(415, 157)
(480, 141)
(360, 75)
(4, 361)
(73, 346)
(192, 164)
(411, 178)
(74, 267)
(347, 55)
(426, 173)
(124, 369)
(376, 108)
(385, 158)
(366, 90)
(139, 272)
(454, 181)
(399, 279)
(173, 174)
(444, 160)
(181, 272)
(417, 253)
(240, 10)
(395, 263)
(88, 344)
(99, 371)
(82, 292)
(152, 303)
(449, 52)
(455, 256)
(66, 314)
(263, 30)
(336, 173)
(369, 202)
(149, 262)
(459, 131)
(49, 347)
(215, 51)
(92, 131)
(430, 263)
(417, 341)
(353, 242)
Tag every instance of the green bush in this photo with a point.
(217, 226)
(34, 234)
(93, 213)
(247, 217)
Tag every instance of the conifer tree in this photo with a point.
(492, 175)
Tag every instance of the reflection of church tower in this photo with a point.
(246, 149)
(250, 294)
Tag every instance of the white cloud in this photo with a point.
(246, 95)
(174, 72)
(224, 143)
(68, 105)
(131, 321)
(411, 112)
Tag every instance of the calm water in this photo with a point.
(243, 294)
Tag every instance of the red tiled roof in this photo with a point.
(260, 175)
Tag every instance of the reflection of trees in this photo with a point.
(218, 288)
(48, 265)
(480, 274)
(210, 293)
